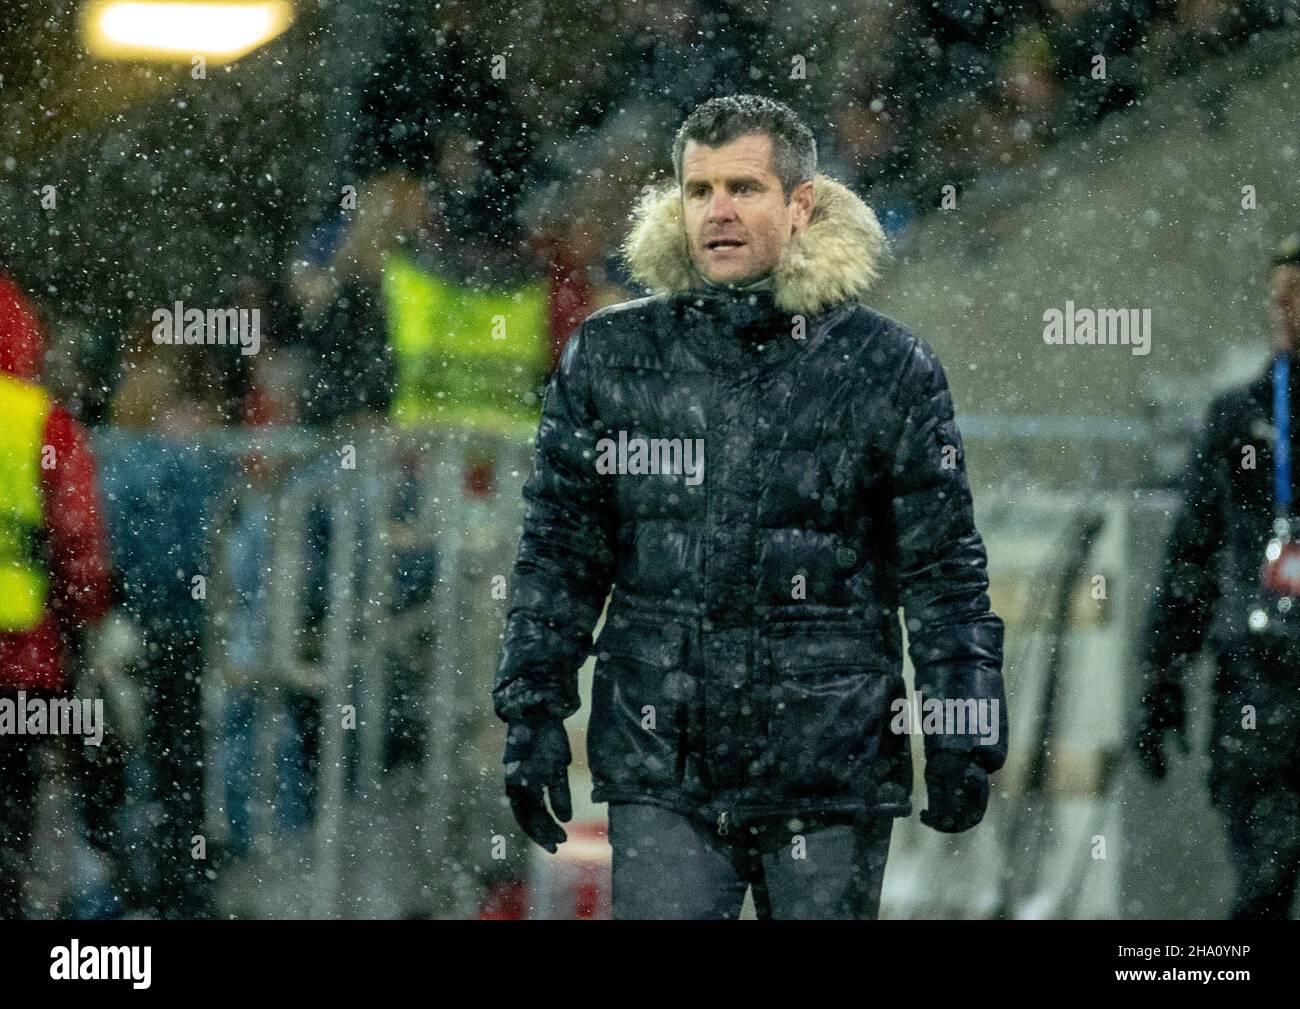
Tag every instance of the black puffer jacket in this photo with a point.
(752, 646)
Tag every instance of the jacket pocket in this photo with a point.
(641, 692)
(829, 725)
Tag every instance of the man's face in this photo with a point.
(737, 220)
(1286, 307)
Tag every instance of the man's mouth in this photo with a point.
(723, 243)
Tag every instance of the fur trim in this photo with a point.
(835, 259)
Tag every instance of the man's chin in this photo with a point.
(729, 278)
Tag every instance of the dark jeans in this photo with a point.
(173, 749)
(97, 780)
(1255, 774)
(1265, 851)
(671, 866)
(19, 767)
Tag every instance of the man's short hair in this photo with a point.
(721, 120)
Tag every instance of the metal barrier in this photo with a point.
(331, 635)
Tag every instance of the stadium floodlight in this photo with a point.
(170, 30)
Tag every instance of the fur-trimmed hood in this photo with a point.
(835, 259)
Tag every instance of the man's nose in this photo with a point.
(722, 207)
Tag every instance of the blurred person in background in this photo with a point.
(1195, 29)
(54, 575)
(335, 281)
(949, 50)
(751, 648)
(271, 404)
(567, 232)
(862, 145)
(1078, 32)
(658, 67)
(159, 490)
(469, 319)
(572, 250)
(465, 305)
(1232, 550)
(596, 175)
(864, 149)
(1027, 91)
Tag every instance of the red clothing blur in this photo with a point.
(571, 297)
(77, 543)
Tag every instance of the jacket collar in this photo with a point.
(835, 259)
(740, 329)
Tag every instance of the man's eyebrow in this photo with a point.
(752, 180)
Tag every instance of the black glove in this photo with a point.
(537, 757)
(1162, 711)
(958, 791)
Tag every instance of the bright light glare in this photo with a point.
(135, 29)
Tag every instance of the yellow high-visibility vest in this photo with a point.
(24, 580)
(464, 356)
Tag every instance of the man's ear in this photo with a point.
(801, 205)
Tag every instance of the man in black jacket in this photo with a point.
(1210, 593)
(761, 469)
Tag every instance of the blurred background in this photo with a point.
(350, 495)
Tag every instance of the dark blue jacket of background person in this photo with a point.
(158, 494)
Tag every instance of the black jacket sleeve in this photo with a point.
(954, 639)
(1187, 589)
(565, 563)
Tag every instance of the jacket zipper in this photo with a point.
(723, 825)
